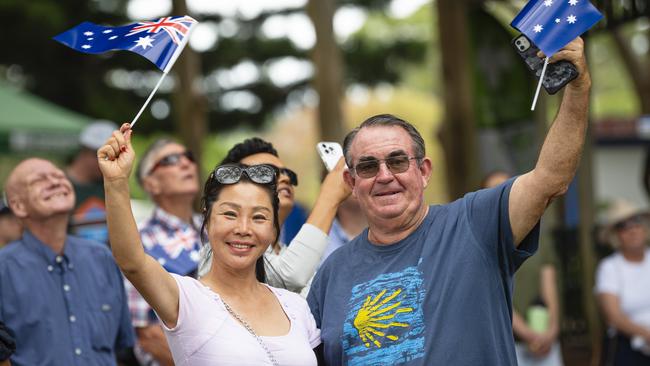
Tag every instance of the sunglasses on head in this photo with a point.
(396, 164)
(231, 173)
(172, 159)
(626, 224)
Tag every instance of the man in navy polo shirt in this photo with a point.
(62, 296)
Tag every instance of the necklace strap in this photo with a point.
(250, 330)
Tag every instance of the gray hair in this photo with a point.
(385, 120)
(147, 161)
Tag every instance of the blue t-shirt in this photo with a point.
(68, 309)
(441, 296)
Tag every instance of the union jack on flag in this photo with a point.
(160, 41)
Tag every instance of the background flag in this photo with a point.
(160, 41)
(551, 24)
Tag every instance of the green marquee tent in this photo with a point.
(30, 124)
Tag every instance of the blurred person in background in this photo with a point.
(169, 175)
(10, 226)
(89, 215)
(229, 316)
(536, 308)
(62, 296)
(291, 266)
(623, 285)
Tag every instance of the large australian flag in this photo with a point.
(160, 41)
(551, 24)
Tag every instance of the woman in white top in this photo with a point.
(229, 317)
(623, 285)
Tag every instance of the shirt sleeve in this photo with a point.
(489, 218)
(294, 266)
(607, 278)
(312, 330)
(313, 298)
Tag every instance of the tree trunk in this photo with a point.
(638, 69)
(458, 133)
(328, 78)
(189, 103)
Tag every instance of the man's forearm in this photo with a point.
(560, 154)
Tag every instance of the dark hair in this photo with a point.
(385, 120)
(211, 193)
(248, 147)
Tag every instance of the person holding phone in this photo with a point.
(291, 266)
(229, 316)
(432, 284)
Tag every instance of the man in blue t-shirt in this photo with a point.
(432, 285)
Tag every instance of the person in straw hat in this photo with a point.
(623, 285)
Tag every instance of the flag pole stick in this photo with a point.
(539, 84)
(149, 99)
(171, 62)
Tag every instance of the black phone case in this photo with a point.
(558, 74)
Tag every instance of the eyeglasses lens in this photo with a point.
(293, 177)
(370, 168)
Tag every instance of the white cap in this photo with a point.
(95, 134)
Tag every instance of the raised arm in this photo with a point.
(152, 281)
(296, 265)
(558, 160)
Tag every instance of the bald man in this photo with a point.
(62, 296)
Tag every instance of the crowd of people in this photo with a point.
(375, 276)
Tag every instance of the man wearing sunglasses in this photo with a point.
(432, 285)
(169, 175)
(291, 266)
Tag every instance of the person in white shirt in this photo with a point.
(622, 284)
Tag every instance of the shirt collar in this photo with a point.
(32, 243)
(173, 222)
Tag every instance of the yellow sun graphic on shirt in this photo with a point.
(375, 318)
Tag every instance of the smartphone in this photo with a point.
(558, 74)
(330, 153)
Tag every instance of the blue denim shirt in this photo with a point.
(67, 309)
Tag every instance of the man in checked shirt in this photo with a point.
(169, 175)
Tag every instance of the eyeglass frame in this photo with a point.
(178, 155)
(384, 161)
(632, 221)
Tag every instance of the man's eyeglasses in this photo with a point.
(629, 223)
(172, 159)
(293, 177)
(231, 173)
(396, 164)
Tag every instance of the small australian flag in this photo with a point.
(551, 24)
(160, 41)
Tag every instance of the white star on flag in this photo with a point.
(107, 31)
(538, 28)
(144, 42)
(557, 20)
(90, 38)
(88, 33)
(112, 37)
(548, 3)
(571, 19)
(86, 46)
(573, 2)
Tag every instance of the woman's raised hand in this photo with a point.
(116, 156)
